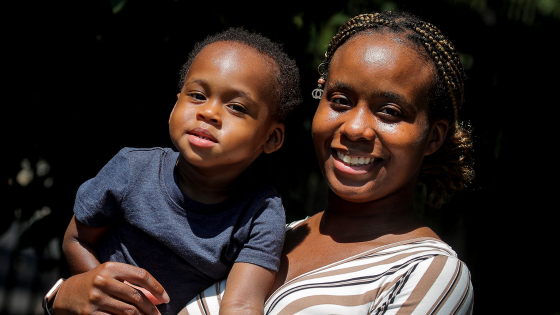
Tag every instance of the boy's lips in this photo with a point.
(201, 138)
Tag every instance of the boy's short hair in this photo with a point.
(288, 91)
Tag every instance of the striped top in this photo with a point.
(418, 276)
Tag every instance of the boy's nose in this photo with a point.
(209, 113)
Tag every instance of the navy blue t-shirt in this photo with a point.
(184, 244)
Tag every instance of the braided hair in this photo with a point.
(449, 168)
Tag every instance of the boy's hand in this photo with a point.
(101, 290)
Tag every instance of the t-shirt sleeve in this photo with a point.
(97, 200)
(267, 235)
(439, 285)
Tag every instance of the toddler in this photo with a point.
(191, 216)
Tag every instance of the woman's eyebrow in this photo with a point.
(396, 97)
(339, 85)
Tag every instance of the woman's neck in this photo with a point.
(347, 221)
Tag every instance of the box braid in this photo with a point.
(450, 168)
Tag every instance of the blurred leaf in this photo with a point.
(298, 20)
(117, 5)
(321, 37)
(389, 5)
(467, 60)
(549, 8)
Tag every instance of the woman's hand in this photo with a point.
(102, 290)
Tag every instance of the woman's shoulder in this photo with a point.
(423, 245)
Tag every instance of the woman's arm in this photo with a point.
(248, 286)
(102, 291)
(79, 246)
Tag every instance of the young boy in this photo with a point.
(189, 217)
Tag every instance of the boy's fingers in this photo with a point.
(138, 276)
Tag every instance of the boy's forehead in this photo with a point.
(231, 54)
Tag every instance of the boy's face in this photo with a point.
(223, 115)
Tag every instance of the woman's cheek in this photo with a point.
(402, 135)
(318, 125)
(325, 119)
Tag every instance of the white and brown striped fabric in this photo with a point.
(419, 276)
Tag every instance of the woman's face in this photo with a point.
(371, 129)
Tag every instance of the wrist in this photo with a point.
(48, 300)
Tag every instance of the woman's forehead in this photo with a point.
(380, 56)
(376, 48)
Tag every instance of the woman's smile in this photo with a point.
(355, 165)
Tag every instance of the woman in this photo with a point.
(388, 115)
(387, 120)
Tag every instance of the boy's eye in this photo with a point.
(237, 108)
(197, 96)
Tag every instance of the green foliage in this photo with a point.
(117, 5)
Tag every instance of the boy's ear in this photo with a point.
(438, 134)
(173, 108)
(275, 139)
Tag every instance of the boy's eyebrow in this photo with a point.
(238, 93)
(197, 81)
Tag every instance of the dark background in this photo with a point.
(82, 79)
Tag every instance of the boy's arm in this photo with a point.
(79, 246)
(247, 288)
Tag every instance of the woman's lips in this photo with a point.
(356, 165)
(201, 138)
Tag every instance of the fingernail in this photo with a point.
(165, 297)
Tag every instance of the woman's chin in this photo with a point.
(352, 193)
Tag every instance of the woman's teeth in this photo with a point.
(352, 160)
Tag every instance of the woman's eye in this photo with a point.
(340, 100)
(237, 108)
(389, 111)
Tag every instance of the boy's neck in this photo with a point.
(204, 186)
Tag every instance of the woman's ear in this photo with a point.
(438, 134)
(275, 139)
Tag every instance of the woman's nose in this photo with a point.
(359, 124)
(210, 113)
